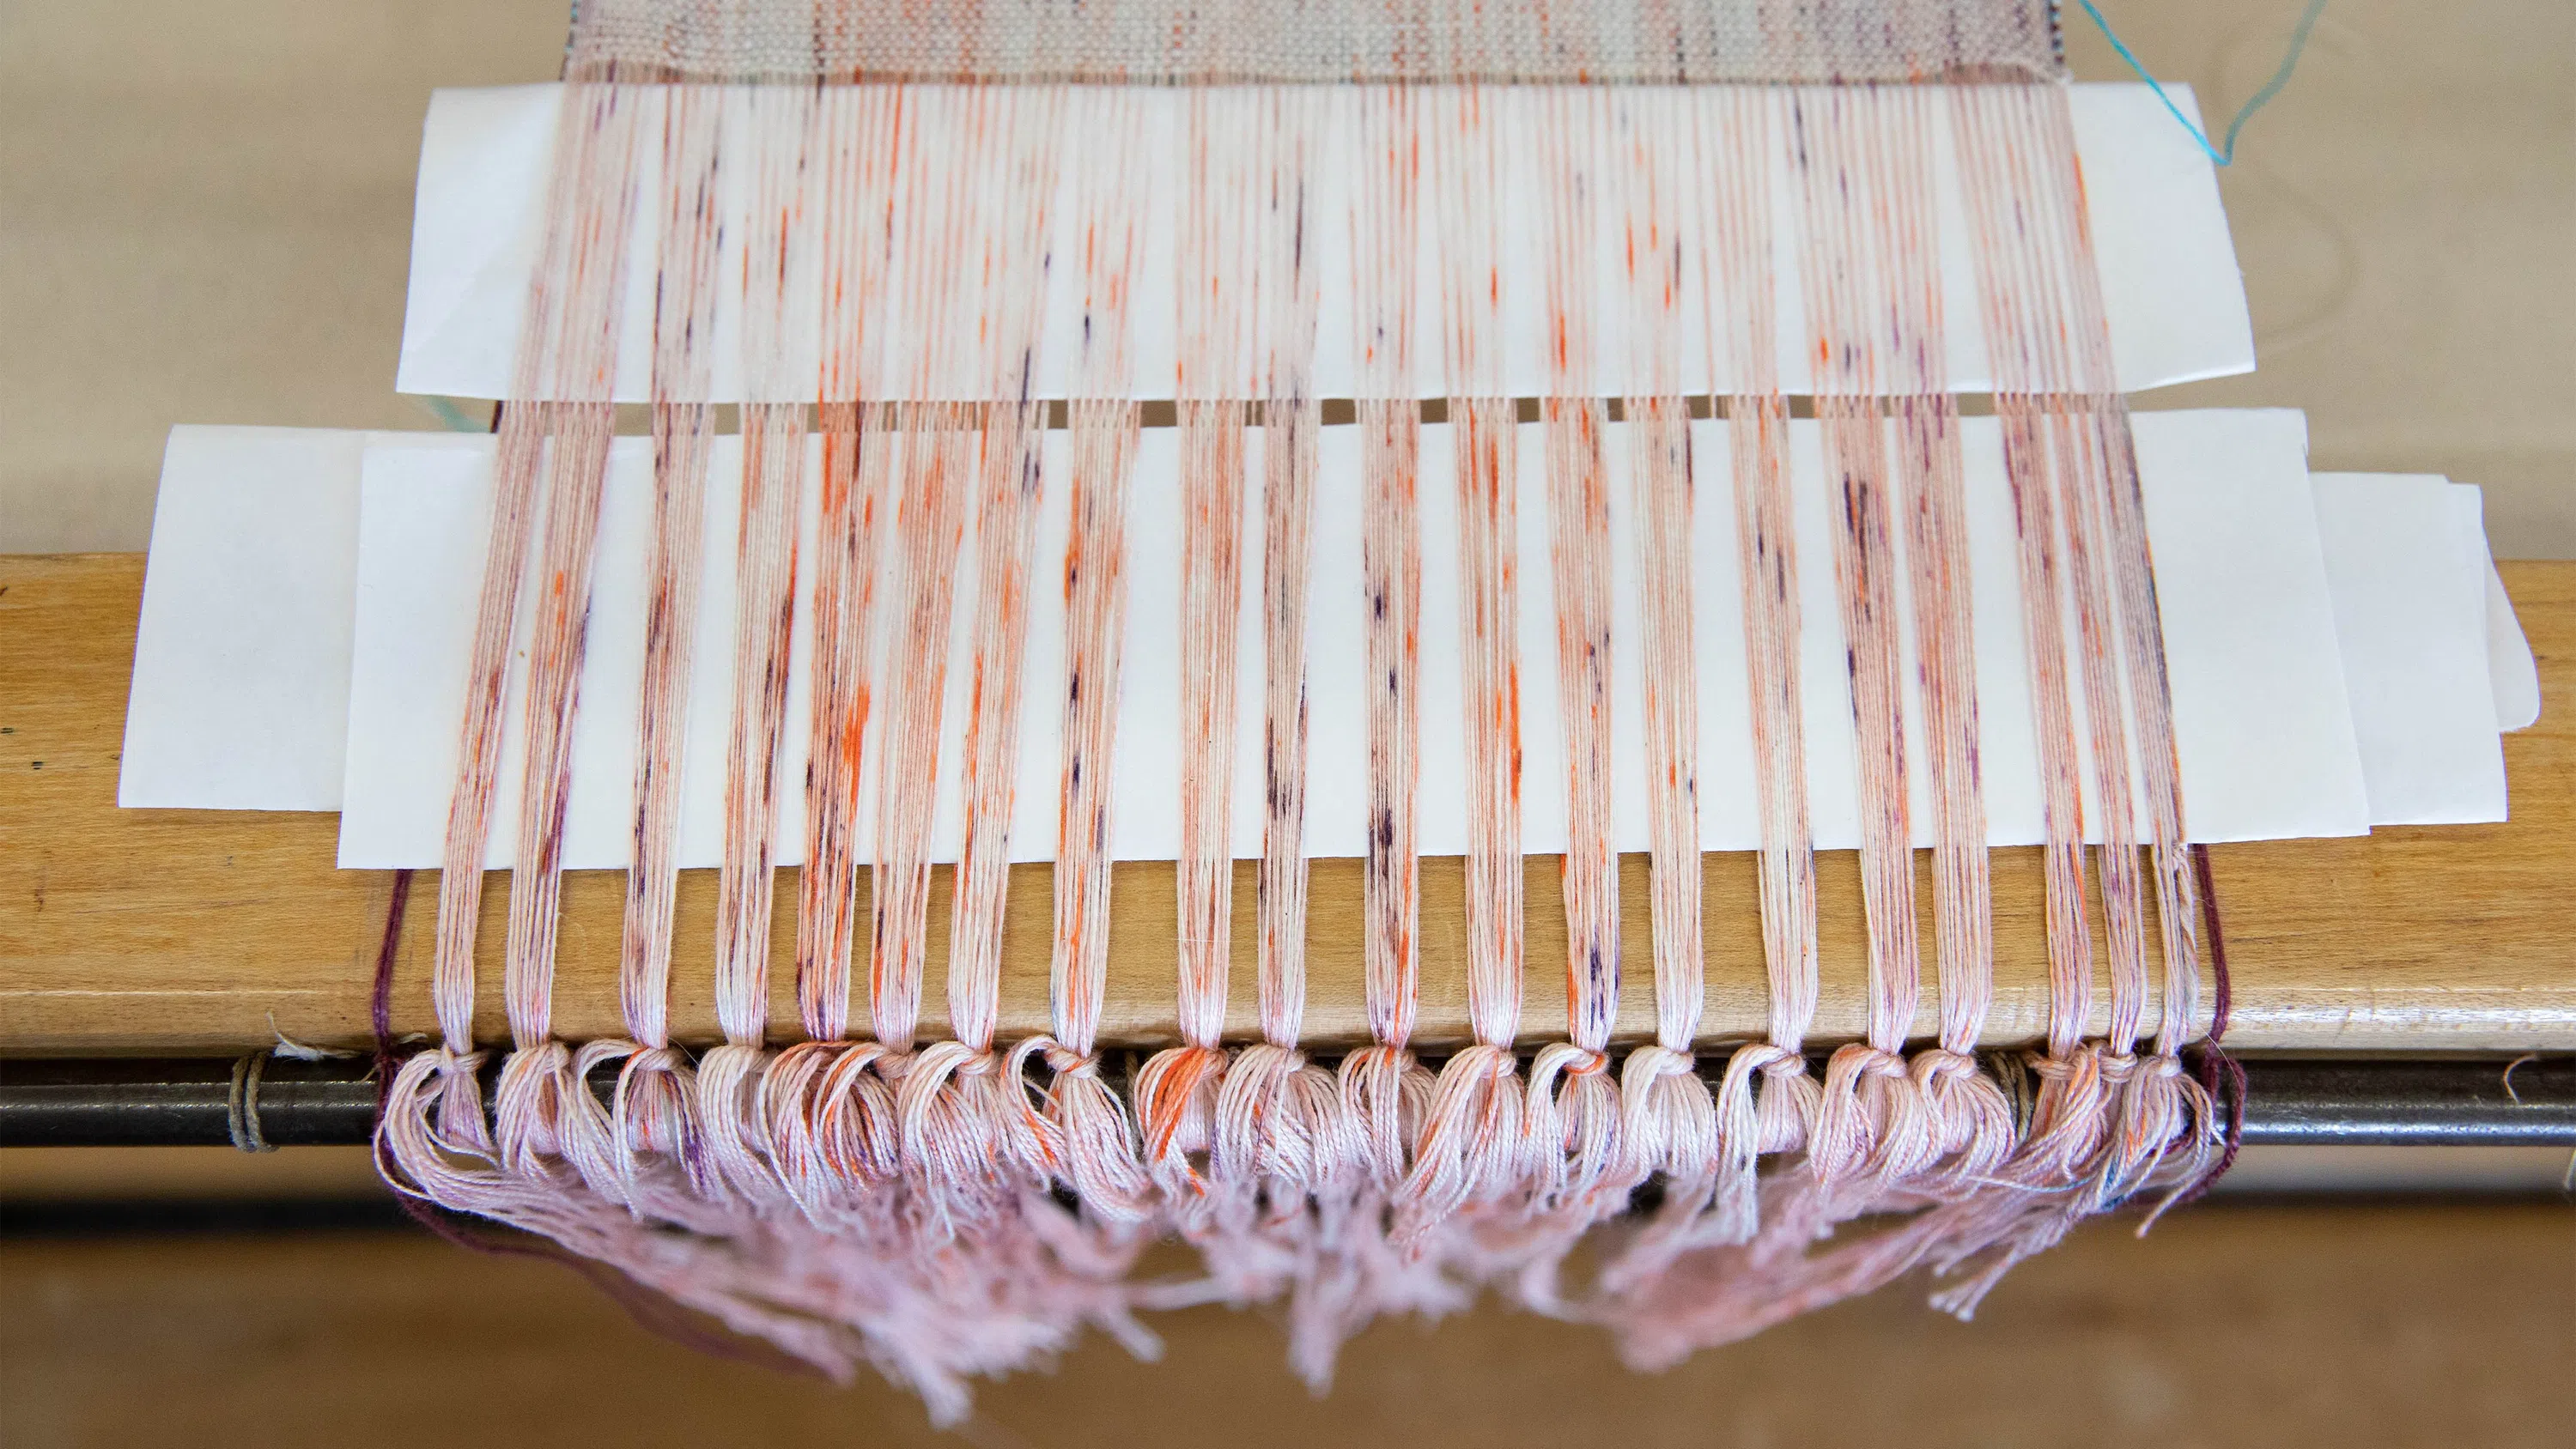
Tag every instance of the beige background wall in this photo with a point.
(204, 213)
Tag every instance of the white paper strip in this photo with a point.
(2511, 670)
(242, 694)
(2265, 728)
(2172, 293)
(2262, 721)
(2406, 555)
(241, 660)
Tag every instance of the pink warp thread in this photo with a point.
(948, 1208)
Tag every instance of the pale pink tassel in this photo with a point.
(1971, 1123)
(1175, 1101)
(1654, 1289)
(1870, 1144)
(585, 1135)
(1576, 1119)
(967, 1148)
(2165, 1130)
(1280, 1152)
(1284, 1120)
(1362, 1271)
(651, 1118)
(423, 1143)
(1778, 1118)
(1094, 1144)
(1473, 1151)
(807, 1100)
(733, 1163)
(1670, 1136)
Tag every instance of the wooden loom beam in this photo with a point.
(139, 931)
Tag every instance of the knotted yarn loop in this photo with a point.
(1474, 1140)
(960, 1134)
(1385, 1093)
(1653, 1063)
(1779, 1117)
(1088, 1143)
(853, 1112)
(1063, 1060)
(458, 1100)
(932, 1068)
(593, 1136)
(2161, 1111)
(783, 1101)
(1939, 1066)
(413, 1153)
(1175, 1105)
(1971, 1119)
(737, 1147)
(1575, 1119)
(1670, 1121)
(528, 1106)
(1571, 1060)
(1784, 1066)
(1281, 1118)
(1879, 1131)
(649, 1110)
(1860, 1060)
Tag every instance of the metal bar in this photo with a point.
(184, 1102)
(205, 1101)
(2517, 1102)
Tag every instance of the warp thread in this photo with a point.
(959, 1208)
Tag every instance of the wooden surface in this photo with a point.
(2282, 1327)
(164, 931)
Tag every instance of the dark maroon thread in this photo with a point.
(380, 1014)
(380, 1005)
(2221, 1075)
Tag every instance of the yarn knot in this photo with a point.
(1650, 1064)
(1067, 1062)
(1583, 1061)
(1939, 1065)
(1868, 1061)
(1770, 1059)
(656, 1059)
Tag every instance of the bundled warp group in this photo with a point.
(959, 1206)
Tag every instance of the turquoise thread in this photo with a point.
(2223, 155)
(451, 416)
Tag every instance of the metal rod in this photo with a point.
(206, 1101)
(2473, 1101)
(184, 1102)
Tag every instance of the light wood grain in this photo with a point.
(164, 931)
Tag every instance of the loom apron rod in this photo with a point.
(194, 1101)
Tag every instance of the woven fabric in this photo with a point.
(1321, 41)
